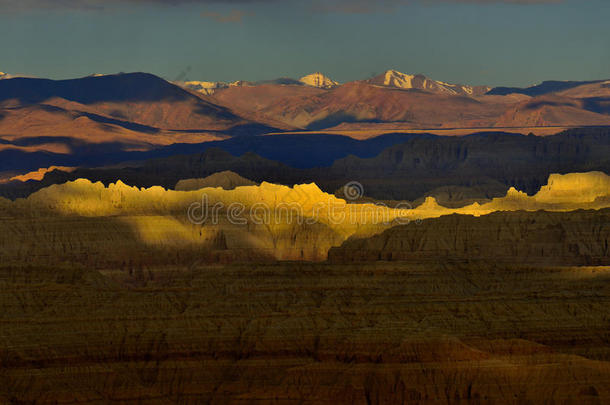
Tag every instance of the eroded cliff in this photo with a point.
(88, 222)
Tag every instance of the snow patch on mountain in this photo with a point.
(399, 80)
(318, 80)
(209, 88)
(395, 78)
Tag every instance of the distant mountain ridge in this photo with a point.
(139, 98)
(104, 115)
(546, 87)
(91, 89)
(99, 119)
(317, 102)
(208, 88)
(391, 78)
(395, 79)
(316, 79)
(399, 80)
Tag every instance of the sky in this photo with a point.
(477, 42)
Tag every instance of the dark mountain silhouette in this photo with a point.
(469, 168)
(101, 119)
(300, 151)
(486, 161)
(93, 89)
(295, 150)
(546, 87)
(141, 98)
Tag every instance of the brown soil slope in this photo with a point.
(359, 101)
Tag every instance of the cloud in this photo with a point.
(234, 16)
(365, 6)
(342, 6)
(98, 5)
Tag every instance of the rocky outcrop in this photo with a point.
(226, 180)
(40, 173)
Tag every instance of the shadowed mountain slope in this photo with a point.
(226, 180)
(114, 113)
(129, 87)
(546, 87)
(475, 167)
(576, 238)
(141, 98)
(555, 110)
(297, 150)
(494, 161)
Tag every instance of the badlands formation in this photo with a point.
(111, 294)
(87, 222)
(295, 333)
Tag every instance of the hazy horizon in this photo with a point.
(496, 43)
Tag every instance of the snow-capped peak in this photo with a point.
(203, 87)
(395, 78)
(210, 88)
(239, 83)
(399, 80)
(318, 80)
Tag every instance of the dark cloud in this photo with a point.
(17, 5)
(365, 6)
(347, 6)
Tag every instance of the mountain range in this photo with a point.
(393, 78)
(402, 101)
(100, 118)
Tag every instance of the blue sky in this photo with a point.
(510, 42)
